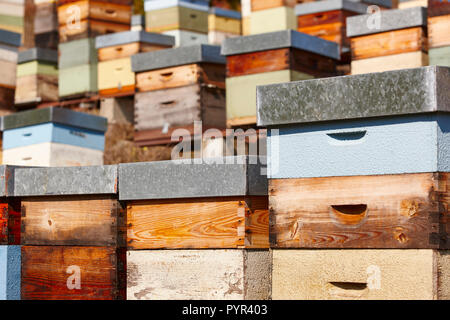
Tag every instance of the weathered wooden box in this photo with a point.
(12, 16)
(199, 274)
(271, 58)
(440, 56)
(73, 273)
(41, 24)
(52, 135)
(114, 51)
(172, 205)
(223, 24)
(10, 263)
(86, 18)
(399, 42)
(70, 206)
(164, 15)
(338, 127)
(9, 208)
(37, 77)
(274, 19)
(360, 274)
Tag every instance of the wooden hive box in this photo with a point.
(438, 26)
(360, 274)
(9, 44)
(166, 15)
(246, 10)
(221, 204)
(271, 20)
(53, 136)
(380, 182)
(12, 16)
(327, 20)
(138, 22)
(9, 208)
(271, 58)
(37, 77)
(86, 18)
(41, 24)
(199, 274)
(78, 66)
(223, 24)
(187, 38)
(177, 87)
(10, 265)
(400, 42)
(114, 55)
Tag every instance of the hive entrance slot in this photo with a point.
(349, 214)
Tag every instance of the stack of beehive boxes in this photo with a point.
(396, 39)
(9, 47)
(12, 15)
(79, 23)
(41, 24)
(72, 234)
(439, 32)
(177, 87)
(53, 137)
(197, 231)
(37, 77)
(9, 237)
(359, 169)
(223, 24)
(272, 15)
(274, 57)
(186, 20)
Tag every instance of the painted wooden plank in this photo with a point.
(440, 56)
(407, 144)
(115, 39)
(360, 274)
(10, 222)
(38, 54)
(203, 74)
(224, 24)
(198, 275)
(275, 19)
(36, 88)
(388, 43)
(36, 68)
(73, 273)
(198, 223)
(50, 154)
(241, 91)
(8, 53)
(78, 80)
(218, 37)
(10, 266)
(7, 73)
(76, 53)
(392, 62)
(115, 74)
(53, 132)
(174, 18)
(438, 31)
(392, 211)
(186, 38)
(258, 5)
(73, 221)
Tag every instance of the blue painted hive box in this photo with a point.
(372, 124)
(10, 263)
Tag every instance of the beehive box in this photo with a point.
(41, 24)
(53, 137)
(187, 38)
(12, 15)
(137, 22)
(338, 127)
(399, 42)
(9, 208)
(271, 58)
(219, 204)
(78, 66)
(438, 26)
(37, 77)
(199, 275)
(9, 43)
(177, 87)
(114, 51)
(10, 260)
(223, 24)
(271, 16)
(86, 18)
(360, 274)
(246, 10)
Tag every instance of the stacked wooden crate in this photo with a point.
(79, 23)
(53, 137)
(223, 24)
(41, 24)
(12, 15)
(9, 237)
(72, 234)
(186, 20)
(114, 58)
(359, 169)
(197, 231)
(37, 77)
(177, 87)
(275, 57)
(272, 15)
(400, 40)
(9, 47)
(439, 32)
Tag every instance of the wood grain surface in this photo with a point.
(10, 222)
(439, 31)
(126, 50)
